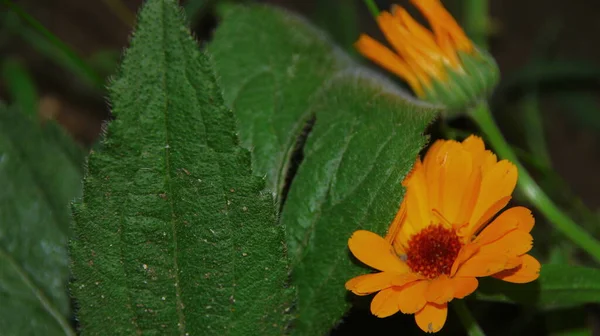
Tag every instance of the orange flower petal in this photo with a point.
(376, 252)
(412, 297)
(453, 182)
(443, 23)
(432, 317)
(395, 228)
(465, 253)
(481, 265)
(419, 41)
(385, 303)
(404, 279)
(528, 271)
(456, 170)
(464, 286)
(481, 157)
(522, 216)
(496, 184)
(512, 219)
(440, 290)
(497, 229)
(407, 46)
(472, 189)
(430, 164)
(389, 60)
(422, 34)
(418, 208)
(512, 244)
(489, 213)
(370, 283)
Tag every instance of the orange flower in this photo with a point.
(429, 59)
(441, 239)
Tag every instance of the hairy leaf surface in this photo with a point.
(174, 234)
(271, 65)
(364, 142)
(278, 74)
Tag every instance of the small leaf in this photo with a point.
(174, 235)
(271, 87)
(558, 286)
(38, 179)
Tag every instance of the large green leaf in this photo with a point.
(39, 175)
(174, 235)
(364, 142)
(365, 138)
(272, 65)
(558, 286)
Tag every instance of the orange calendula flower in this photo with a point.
(441, 65)
(445, 236)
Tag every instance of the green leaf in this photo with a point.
(21, 86)
(558, 286)
(271, 88)
(365, 139)
(364, 142)
(38, 179)
(175, 235)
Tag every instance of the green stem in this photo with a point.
(466, 318)
(476, 21)
(481, 114)
(372, 8)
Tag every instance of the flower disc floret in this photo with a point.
(432, 251)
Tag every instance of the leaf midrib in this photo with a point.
(179, 303)
(39, 294)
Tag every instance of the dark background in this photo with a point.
(549, 58)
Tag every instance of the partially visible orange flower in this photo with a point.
(427, 59)
(444, 235)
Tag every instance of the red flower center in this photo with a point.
(432, 251)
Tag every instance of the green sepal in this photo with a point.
(465, 87)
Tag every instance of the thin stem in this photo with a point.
(482, 116)
(372, 8)
(476, 21)
(466, 318)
